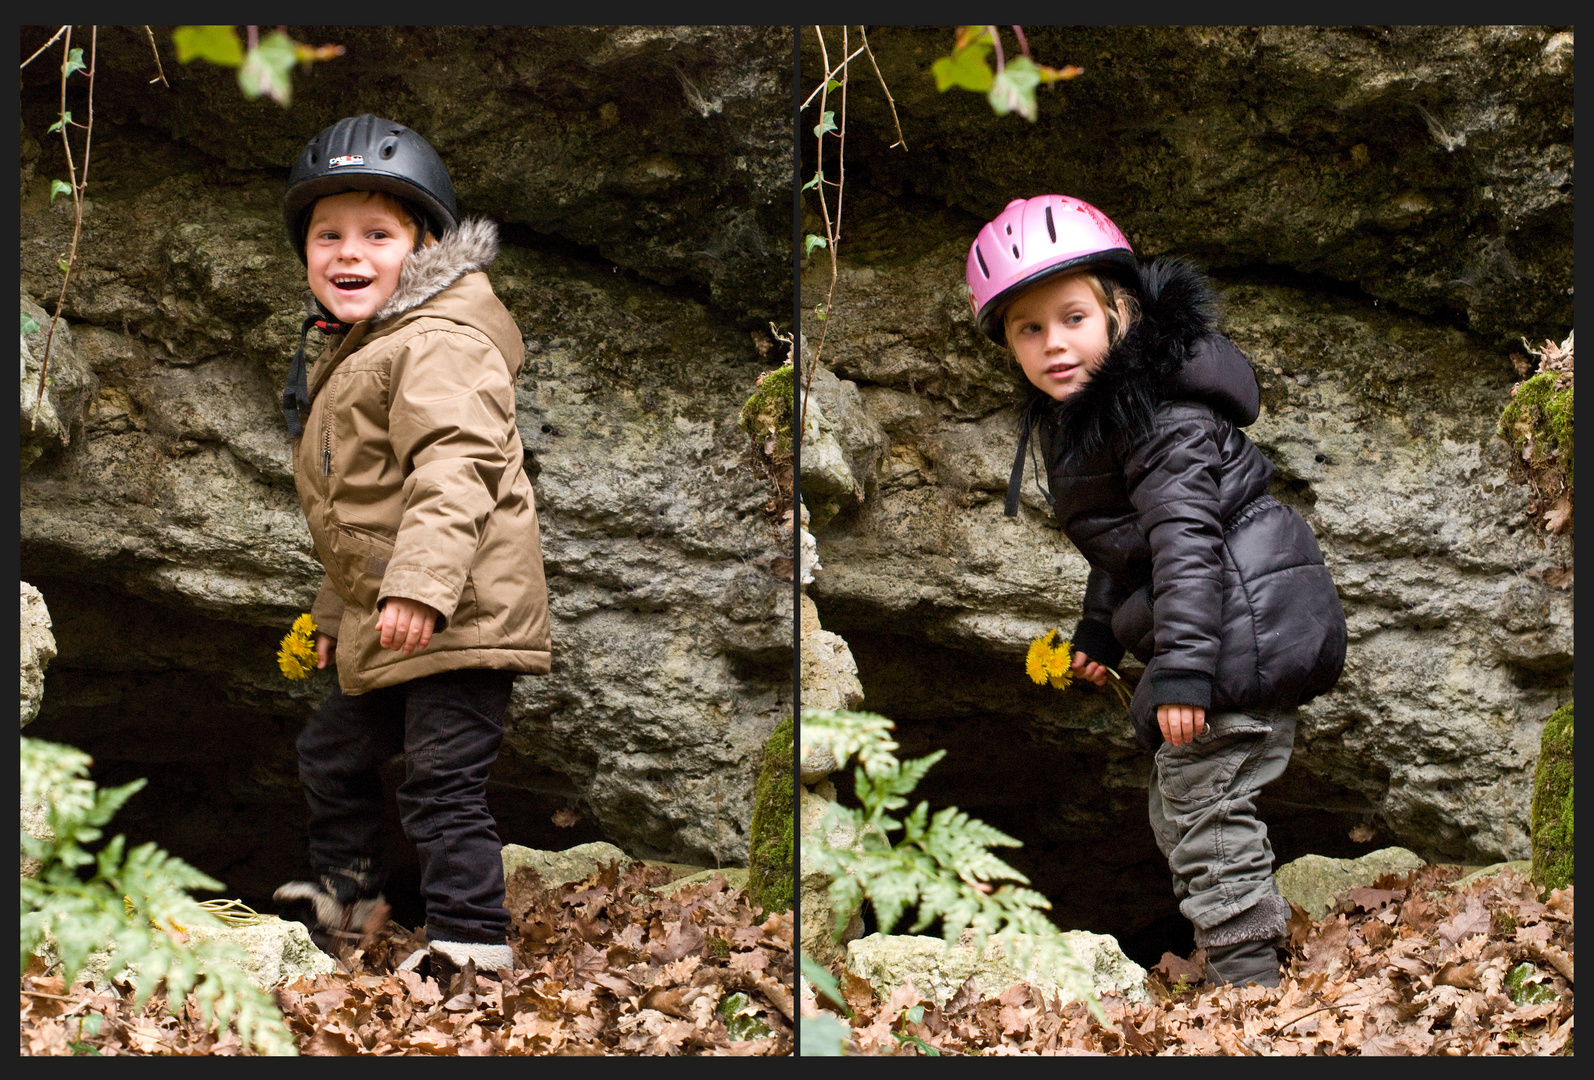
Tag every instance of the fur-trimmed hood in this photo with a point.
(472, 246)
(1172, 352)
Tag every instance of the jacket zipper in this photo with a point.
(326, 428)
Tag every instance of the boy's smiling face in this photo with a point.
(1058, 331)
(354, 249)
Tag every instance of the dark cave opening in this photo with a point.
(196, 707)
(1061, 773)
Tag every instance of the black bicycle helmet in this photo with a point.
(367, 153)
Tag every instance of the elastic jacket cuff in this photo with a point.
(1180, 688)
(1095, 639)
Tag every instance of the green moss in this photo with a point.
(1552, 802)
(1538, 408)
(1523, 992)
(769, 876)
(770, 409)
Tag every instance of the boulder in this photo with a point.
(1316, 883)
(735, 876)
(276, 951)
(1520, 867)
(557, 868)
(938, 971)
(38, 649)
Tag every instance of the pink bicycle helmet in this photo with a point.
(1033, 239)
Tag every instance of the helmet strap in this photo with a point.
(296, 394)
(1015, 479)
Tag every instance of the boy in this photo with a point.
(409, 468)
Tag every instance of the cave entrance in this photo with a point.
(197, 707)
(1060, 771)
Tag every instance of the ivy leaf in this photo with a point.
(832, 85)
(966, 67)
(818, 176)
(217, 44)
(65, 266)
(74, 62)
(827, 122)
(66, 118)
(268, 67)
(811, 241)
(29, 324)
(819, 312)
(1013, 89)
(59, 187)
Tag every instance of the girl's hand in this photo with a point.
(406, 625)
(1090, 672)
(326, 650)
(1180, 724)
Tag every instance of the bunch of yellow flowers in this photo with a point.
(1052, 661)
(1049, 663)
(297, 656)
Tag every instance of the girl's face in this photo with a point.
(1059, 333)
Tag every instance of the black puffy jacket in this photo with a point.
(1216, 586)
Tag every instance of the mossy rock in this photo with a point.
(1537, 407)
(770, 848)
(1552, 802)
(770, 409)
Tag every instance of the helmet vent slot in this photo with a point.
(387, 148)
(1010, 230)
(1051, 229)
(1016, 255)
(980, 258)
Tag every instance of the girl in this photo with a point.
(1136, 403)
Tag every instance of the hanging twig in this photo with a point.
(901, 140)
(832, 229)
(78, 188)
(996, 39)
(160, 71)
(53, 39)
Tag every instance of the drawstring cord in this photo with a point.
(1015, 479)
(296, 394)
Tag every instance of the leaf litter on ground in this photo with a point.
(1410, 966)
(604, 966)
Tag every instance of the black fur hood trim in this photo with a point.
(1177, 309)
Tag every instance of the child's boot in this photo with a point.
(340, 907)
(1242, 950)
(1243, 962)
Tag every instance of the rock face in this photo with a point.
(1385, 214)
(641, 178)
(38, 649)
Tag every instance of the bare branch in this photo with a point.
(901, 140)
(828, 76)
(160, 71)
(53, 39)
(996, 38)
(1023, 43)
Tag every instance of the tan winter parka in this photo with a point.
(410, 475)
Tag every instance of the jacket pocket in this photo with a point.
(362, 559)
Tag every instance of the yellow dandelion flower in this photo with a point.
(1060, 661)
(1035, 663)
(297, 656)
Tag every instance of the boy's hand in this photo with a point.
(1085, 669)
(326, 650)
(406, 625)
(1181, 723)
